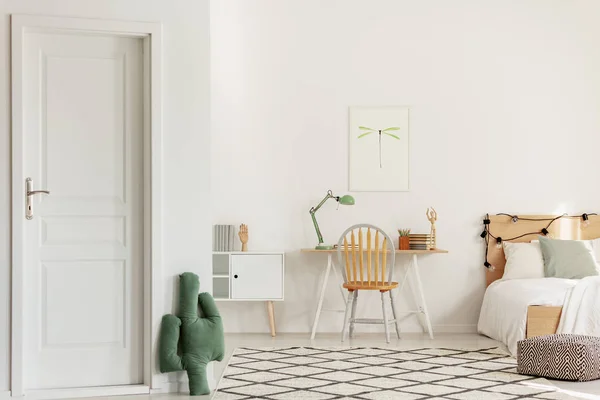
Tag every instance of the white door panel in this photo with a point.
(83, 125)
(256, 276)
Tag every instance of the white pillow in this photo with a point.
(523, 261)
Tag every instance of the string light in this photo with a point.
(486, 234)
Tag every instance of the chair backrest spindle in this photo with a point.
(353, 243)
(360, 247)
(369, 250)
(347, 258)
(376, 257)
(383, 260)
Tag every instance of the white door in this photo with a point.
(256, 276)
(83, 255)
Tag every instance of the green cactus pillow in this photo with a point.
(200, 339)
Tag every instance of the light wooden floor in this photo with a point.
(586, 390)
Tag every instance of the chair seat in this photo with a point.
(381, 286)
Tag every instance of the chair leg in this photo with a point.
(385, 318)
(393, 301)
(348, 305)
(353, 314)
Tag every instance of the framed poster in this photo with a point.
(378, 155)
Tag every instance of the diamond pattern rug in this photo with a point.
(314, 373)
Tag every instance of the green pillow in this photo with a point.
(189, 341)
(568, 259)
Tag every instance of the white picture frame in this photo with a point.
(379, 149)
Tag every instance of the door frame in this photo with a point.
(151, 34)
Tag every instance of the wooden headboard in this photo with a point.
(563, 228)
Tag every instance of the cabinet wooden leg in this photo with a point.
(271, 311)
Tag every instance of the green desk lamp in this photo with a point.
(346, 200)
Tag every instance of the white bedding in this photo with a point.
(504, 311)
(581, 311)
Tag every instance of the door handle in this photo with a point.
(29, 194)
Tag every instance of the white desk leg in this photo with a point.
(339, 281)
(321, 297)
(423, 305)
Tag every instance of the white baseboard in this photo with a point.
(181, 384)
(5, 395)
(44, 394)
(166, 387)
(444, 328)
(179, 387)
(458, 328)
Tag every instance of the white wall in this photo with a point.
(186, 137)
(505, 117)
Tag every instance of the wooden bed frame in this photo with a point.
(541, 320)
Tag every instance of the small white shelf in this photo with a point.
(246, 252)
(248, 300)
(221, 276)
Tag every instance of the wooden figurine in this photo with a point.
(243, 234)
(432, 217)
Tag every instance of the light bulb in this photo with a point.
(499, 243)
(546, 233)
(585, 221)
(489, 266)
(515, 219)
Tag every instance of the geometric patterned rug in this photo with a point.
(315, 373)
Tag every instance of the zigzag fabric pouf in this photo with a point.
(564, 357)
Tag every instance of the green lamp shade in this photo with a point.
(347, 200)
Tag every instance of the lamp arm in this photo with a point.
(327, 197)
(314, 210)
(319, 236)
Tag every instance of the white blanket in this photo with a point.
(504, 311)
(581, 310)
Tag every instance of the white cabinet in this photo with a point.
(245, 276)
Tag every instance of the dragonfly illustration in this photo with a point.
(386, 131)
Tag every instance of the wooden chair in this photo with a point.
(364, 271)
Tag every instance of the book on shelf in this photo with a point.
(223, 237)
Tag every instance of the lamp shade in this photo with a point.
(347, 200)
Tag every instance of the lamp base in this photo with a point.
(322, 246)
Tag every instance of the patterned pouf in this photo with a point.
(564, 357)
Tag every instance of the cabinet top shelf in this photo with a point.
(246, 252)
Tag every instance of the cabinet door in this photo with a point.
(257, 276)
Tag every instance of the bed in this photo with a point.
(515, 309)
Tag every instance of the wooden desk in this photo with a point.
(410, 267)
(435, 251)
